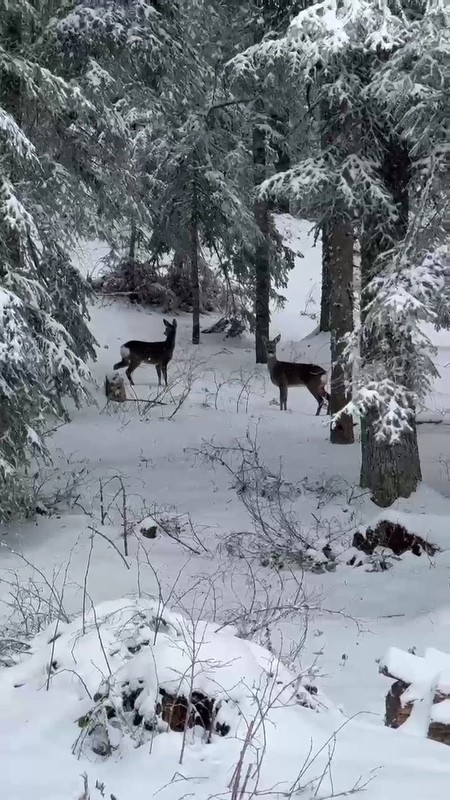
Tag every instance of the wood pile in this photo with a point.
(419, 698)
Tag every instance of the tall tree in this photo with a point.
(262, 248)
(356, 58)
(44, 341)
(394, 262)
(270, 113)
(325, 310)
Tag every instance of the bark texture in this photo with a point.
(195, 280)
(262, 251)
(340, 255)
(325, 297)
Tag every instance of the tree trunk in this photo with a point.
(325, 312)
(336, 311)
(262, 253)
(195, 281)
(280, 123)
(340, 254)
(133, 240)
(389, 470)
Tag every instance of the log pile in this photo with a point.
(419, 698)
(392, 536)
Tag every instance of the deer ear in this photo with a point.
(277, 338)
(167, 324)
(174, 323)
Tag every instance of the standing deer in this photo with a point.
(286, 373)
(135, 353)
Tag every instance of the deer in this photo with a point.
(135, 353)
(286, 373)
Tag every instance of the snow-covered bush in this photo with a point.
(167, 286)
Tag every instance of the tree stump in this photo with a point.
(115, 388)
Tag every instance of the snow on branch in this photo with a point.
(14, 138)
(395, 369)
(349, 182)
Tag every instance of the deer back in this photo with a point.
(152, 352)
(288, 373)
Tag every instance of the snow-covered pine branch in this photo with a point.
(401, 300)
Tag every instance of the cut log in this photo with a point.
(402, 696)
(115, 388)
(179, 714)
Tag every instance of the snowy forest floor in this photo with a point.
(207, 560)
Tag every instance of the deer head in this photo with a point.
(271, 347)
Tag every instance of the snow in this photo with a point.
(416, 670)
(440, 712)
(405, 666)
(330, 627)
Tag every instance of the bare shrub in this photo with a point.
(277, 538)
(56, 488)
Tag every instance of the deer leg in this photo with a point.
(120, 364)
(283, 398)
(318, 392)
(321, 395)
(158, 370)
(133, 364)
(320, 402)
(164, 371)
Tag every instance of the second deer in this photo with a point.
(135, 353)
(287, 373)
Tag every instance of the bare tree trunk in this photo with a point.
(280, 122)
(324, 325)
(262, 251)
(340, 254)
(337, 280)
(389, 470)
(133, 240)
(195, 281)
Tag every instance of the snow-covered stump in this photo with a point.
(419, 698)
(115, 388)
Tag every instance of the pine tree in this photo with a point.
(272, 112)
(124, 57)
(44, 341)
(193, 158)
(358, 61)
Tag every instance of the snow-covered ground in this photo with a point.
(144, 460)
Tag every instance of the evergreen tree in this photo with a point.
(273, 112)
(44, 341)
(375, 138)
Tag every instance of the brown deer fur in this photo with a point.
(135, 353)
(287, 373)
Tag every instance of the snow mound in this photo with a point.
(143, 669)
(276, 744)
